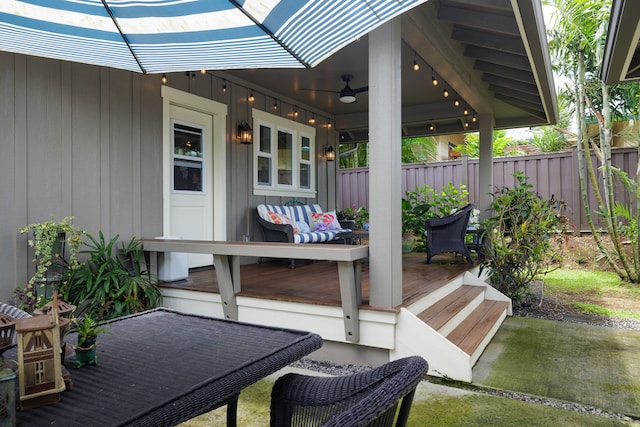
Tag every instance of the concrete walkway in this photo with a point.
(589, 365)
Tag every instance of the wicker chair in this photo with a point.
(364, 399)
(448, 234)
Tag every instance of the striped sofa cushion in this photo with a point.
(316, 236)
(263, 211)
(299, 213)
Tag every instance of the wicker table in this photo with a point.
(161, 367)
(477, 240)
(353, 237)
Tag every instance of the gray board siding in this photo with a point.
(85, 141)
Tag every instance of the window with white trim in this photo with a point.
(284, 160)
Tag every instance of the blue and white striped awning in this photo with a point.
(154, 36)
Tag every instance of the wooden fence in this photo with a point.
(549, 174)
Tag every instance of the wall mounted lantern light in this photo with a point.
(329, 154)
(245, 133)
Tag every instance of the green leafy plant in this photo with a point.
(28, 298)
(519, 246)
(425, 202)
(501, 141)
(358, 214)
(112, 282)
(548, 139)
(87, 329)
(47, 241)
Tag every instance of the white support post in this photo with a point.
(385, 189)
(485, 165)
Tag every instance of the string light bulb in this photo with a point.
(203, 71)
(473, 119)
(431, 127)
(329, 124)
(466, 124)
(312, 120)
(295, 113)
(224, 86)
(275, 104)
(164, 79)
(416, 66)
(466, 111)
(445, 92)
(434, 81)
(456, 102)
(251, 97)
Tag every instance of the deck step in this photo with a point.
(472, 332)
(443, 311)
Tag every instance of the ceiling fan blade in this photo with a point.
(320, 90)
(361, 89)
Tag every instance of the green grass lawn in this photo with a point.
(594, 292)
(428, 410)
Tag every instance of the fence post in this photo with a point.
(464, 173)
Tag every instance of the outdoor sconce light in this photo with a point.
(245, 133)
(329, 154)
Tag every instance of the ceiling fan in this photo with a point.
(347, 94)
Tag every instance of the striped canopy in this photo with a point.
(155, 36)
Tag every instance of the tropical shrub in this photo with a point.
(425, 202)
(549, 140)
(519, 238)
(112, 282)
(501, 141)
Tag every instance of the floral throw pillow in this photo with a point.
(325, 221)
(277, 218)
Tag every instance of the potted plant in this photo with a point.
(47, 242)
(353, 218)
(88, 330)
(112, 282)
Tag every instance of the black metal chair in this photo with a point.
(448, 234)
(368, 398)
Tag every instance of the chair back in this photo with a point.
(462, 216)
(369, 398)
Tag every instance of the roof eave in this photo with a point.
(534, 34)
(622, 39)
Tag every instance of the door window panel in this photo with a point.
(187, 158)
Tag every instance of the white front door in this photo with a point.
(194, 169)
(191, 182)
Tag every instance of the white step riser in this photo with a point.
(453, 323)
(428, 300)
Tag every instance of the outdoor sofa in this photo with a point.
(298, 224)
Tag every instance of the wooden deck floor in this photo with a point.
(317, 283)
